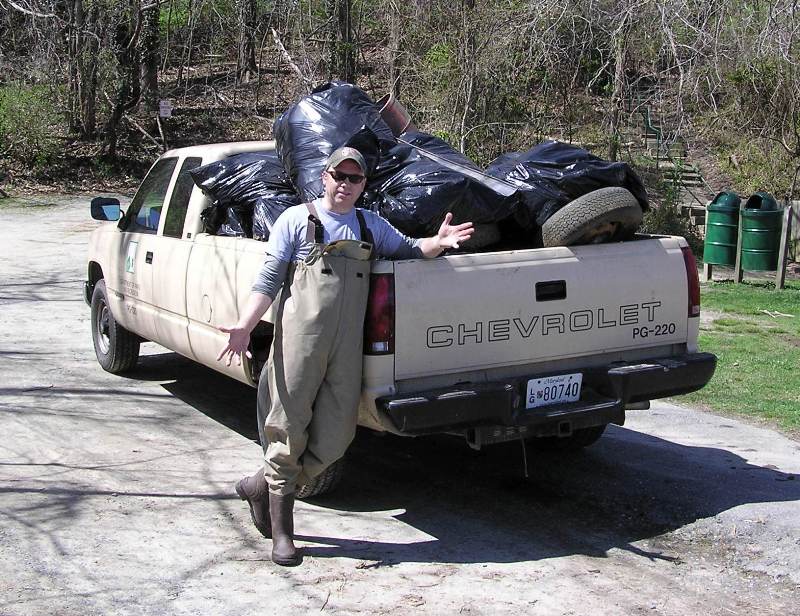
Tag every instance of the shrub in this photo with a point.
(664, 219)
(28, 124)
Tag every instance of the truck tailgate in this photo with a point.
(467, 312)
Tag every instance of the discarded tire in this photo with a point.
(603, 215)
(484, 234)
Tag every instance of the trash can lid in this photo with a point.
(761, 201)
(724, 201)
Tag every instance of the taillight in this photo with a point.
(379, 322)
(692, 282)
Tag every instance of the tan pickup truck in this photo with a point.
(550, 344)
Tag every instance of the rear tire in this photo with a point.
(576, 441)
(325, 483)
(604, 215)
(116, 348)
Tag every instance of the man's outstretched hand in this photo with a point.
(238, 340)
(450, 236)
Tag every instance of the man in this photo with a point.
(311, 383)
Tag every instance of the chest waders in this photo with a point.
(312, 380)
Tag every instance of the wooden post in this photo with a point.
(780, 276)
(708, 272)
(737, 272)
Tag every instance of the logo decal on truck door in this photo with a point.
(130, 259)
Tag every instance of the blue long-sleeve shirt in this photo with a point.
(288, 241)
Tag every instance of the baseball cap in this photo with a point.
(343, 154)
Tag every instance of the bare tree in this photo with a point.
(247, 16)
(342, 42)
(126, 26)
(149, 50)
(394, 58)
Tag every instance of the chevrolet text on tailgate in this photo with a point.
(547, 344)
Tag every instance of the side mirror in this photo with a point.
(106, 208)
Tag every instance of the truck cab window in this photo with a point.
(144, 212)
(179, 202)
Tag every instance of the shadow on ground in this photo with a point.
(480, 507)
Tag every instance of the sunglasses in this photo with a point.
(353, 178)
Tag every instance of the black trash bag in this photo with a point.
(552, 174)
(414, 192)
(484, 204)
(308, 132)
(266, 212)
(237, 221)
(254, 184)
(243, 178)
(366, 142)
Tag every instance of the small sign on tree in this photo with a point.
(165, 109)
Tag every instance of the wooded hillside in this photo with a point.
(80, 80)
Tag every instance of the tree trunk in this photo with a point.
(75, 51)
(149, 44)
(88, 75)
(347, 50)
(394, 48)
(343, 52)
(126, 33)
(246, 61)
(468, 68)
(618, 94)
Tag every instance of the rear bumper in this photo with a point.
(604, 394)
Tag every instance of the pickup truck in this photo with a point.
(548, 345)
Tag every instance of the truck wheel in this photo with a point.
(578, 440)
(603, 215)
(116, 348)
(324, 483)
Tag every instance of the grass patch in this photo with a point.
(758, 369)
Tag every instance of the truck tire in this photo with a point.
(116, 348)
(603, 215)
(327, 482)
(484, 234)
(577, 440)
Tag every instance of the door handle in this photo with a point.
(148, 257)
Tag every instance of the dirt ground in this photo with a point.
(116, 493)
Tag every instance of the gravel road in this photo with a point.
(116, 494)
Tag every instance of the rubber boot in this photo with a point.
(281, 509)
(254, 491)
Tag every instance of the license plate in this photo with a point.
(553, 390)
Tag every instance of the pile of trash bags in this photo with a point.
(414, 178)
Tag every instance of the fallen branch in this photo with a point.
(775, 314)
(306, 81)
(22, 9)
(141, 130)
(164, 144)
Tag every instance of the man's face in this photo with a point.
(343, 194)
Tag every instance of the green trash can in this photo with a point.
(722, 229)
(762, 224)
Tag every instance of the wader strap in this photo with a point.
(319, 230)
(366, 234)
